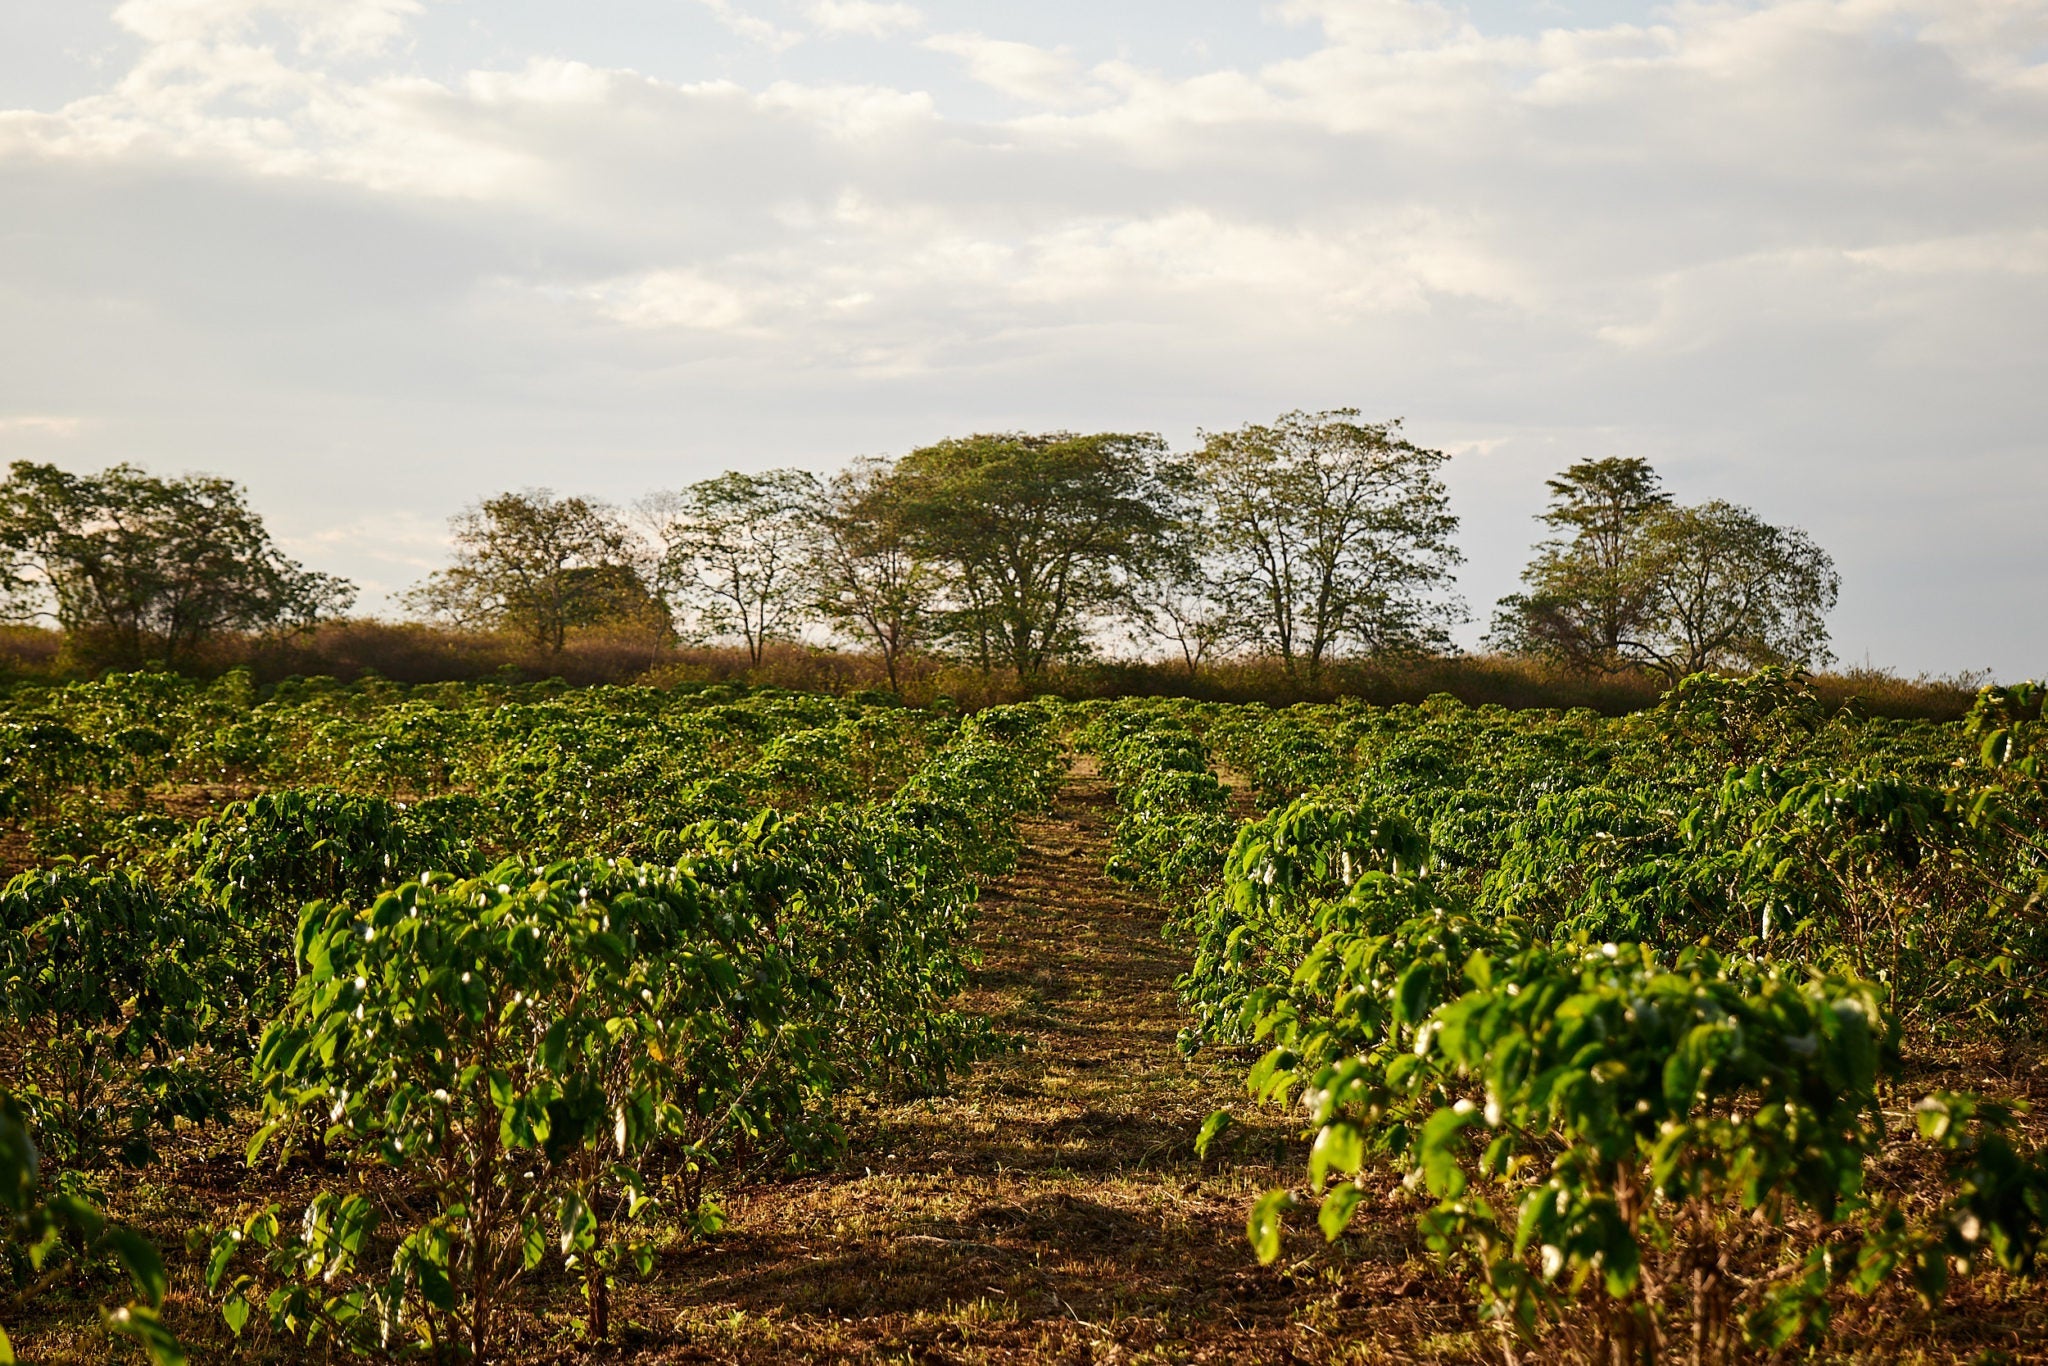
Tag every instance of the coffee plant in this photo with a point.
(506, 982)
(1616, 1001)
(520, 973)
(46, 1235)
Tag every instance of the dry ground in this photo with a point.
(1053, 1208)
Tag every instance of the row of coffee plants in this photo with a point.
(518, 972)
(1620, 1002)
(116, 767)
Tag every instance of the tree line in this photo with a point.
(1315, 537)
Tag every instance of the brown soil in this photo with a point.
(1052, 1209)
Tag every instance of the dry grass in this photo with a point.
(418, 652)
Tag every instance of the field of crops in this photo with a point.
(522, 969)
(1666, 1027)
(445, 1021)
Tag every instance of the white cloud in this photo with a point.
(752, 27)
(40, 424)
(1386, 25)
(1023, 71)
(872, 18)
(346, 26)
(1994, 253)
(668, 298)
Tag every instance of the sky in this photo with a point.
(379, 258)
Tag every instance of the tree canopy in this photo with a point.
(1588, 598)
(1336, 532)
(868, 578)
(140, 568)
(1315, 536)
(540, 565)
(1038, 534)
(1634, 581)
(1734, 592)
(735, 549)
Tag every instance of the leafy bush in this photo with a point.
(1615, 998)
(104, 980)
(509, 1046)
(47, 1235)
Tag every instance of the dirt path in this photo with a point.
(1053, 1208)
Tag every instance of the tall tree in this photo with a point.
(1732, 591)
(1587, 596)
(869, 578)
(540, 565)
(142, 568)
(1640, 583)
(1340, 535)
(1039, 535)
(736, 549)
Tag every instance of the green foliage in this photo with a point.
(47, 1235)
(138, 567)
(1173, 824)
(1588, 600)
(505, 1065)
(541, 1049)
(540, 566)
(1334, 532)
(1614, 1000)
(105, 978)
(512, 1043)
(866, 576)
(1582, 1115)
(736, 552)
(1639, 582)
(1036, 534)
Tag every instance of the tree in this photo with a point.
(144, 568)
(868, 578)
(735, 549)
(1641, 583)
(1732, 591)
(1039, 535)
(1338, 532)
(1182, 602)
(539, 565)
(1588, 595)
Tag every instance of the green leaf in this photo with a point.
(1212, 1127)
(225, 1245)
(1338, 1146)
(1412, 994)
(236, 1312)
(1479, 970)
(261, 1138)
(140, 1324)
(579, 1223)
(1437, 1149)
(435, 1287)
(1263, 1228)
(139, 1258)
(1338, 1207)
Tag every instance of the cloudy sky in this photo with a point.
(375, 258)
